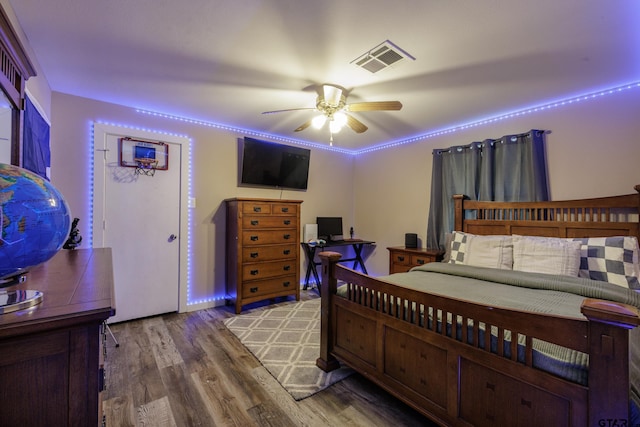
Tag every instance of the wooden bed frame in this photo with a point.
(455, 383)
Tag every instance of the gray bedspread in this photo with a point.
(540, 293)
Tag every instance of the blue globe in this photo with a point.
(34, 220)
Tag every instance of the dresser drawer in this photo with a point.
(268, 237)
(268, 269)
(421, 259)
(252, 222)
(284, 209)
(269, 253)
(401, 258)
(269, 286)
(263, 208)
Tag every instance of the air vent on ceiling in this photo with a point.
(382, 56)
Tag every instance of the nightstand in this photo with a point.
(402, 259)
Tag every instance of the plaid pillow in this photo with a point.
(610, 259)
(458, 247)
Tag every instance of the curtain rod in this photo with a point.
(537, 132)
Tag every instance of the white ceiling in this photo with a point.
(226, 61)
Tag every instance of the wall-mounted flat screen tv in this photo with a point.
(269, 164)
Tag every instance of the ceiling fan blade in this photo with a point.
(303, 126)
(375, 106)
(332, 95)
(289, 109)
(356, 124)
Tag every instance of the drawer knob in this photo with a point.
(286, 251)
(254, 272)
(254, 222)
(254, 238)
(400, 258)
(254, 255)
(253, 290)
(287, 236)
(287, 221)
(286, 268)
(420, 261)
(286, 284)
(285, 209)
(257, 209)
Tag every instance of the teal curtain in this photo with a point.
(512, 168)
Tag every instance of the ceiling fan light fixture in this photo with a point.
(334, 127)
(319, 121)
(331, 105)
(332, 95)
(340, 118)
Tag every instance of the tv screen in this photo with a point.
(329, 227)
(274, 165)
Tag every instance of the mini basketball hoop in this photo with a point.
(146, 166)
(145, 156)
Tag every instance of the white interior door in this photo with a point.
(141, 222)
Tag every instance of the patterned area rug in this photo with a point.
(286, 340)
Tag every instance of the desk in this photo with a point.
(310, 251)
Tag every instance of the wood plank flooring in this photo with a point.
(189, 370)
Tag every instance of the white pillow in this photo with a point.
(548, 255)
(489, 251)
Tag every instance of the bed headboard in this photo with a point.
(598, 217)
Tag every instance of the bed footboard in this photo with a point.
(388, 334)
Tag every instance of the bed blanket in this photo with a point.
(561, 295)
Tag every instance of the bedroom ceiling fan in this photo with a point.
(332, 105)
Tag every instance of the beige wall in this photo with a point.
(215, 170)
(593, 149)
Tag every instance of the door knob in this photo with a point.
(172, 238)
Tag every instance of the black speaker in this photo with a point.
(411, 240)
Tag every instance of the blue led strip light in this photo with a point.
(90, 179)
(452, 129)
(517, 113)
(189, 191)
(246, 132)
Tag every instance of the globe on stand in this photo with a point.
(34, 221)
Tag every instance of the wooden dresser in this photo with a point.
(263, 249)
(51, 354)
(402, 259)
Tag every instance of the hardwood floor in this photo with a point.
(189, 370)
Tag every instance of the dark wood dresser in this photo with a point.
(402, 259)
(51, 355)
(263, 250)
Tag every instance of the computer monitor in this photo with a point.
(329, 228)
